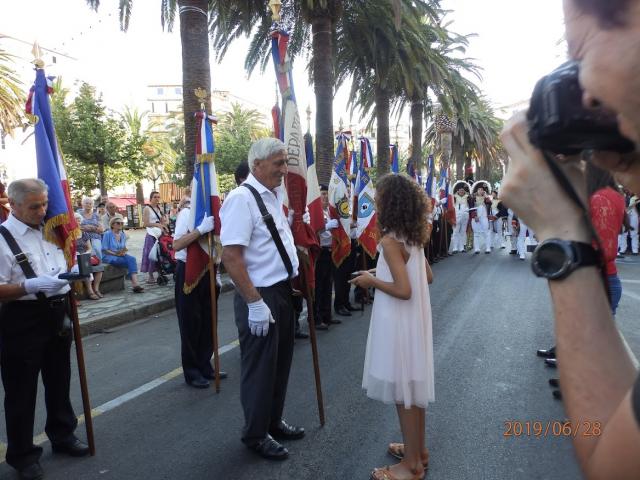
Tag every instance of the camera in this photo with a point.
(559, 123)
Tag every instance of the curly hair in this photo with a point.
(402, 208)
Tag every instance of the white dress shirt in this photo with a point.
(45, 257)
(325, 235)
(242, 224)
(182, 228)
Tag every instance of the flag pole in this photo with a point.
(312, 335)
(82, 372)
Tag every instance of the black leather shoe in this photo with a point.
(551, 362)
(554, 382)
(351, 308)
(334, 321)
(284, 431)
(301, 335)
(199, 383)
(270, 449)
(322, 326)
(551, 353)
(557, 394)
(31, 472)
(212, 376)
(343, 311)
(73, 448)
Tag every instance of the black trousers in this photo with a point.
(341, 277)
(265, 362)
(324, 286)
(30, 345)
(194, 320)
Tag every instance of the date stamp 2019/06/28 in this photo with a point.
(551, 428)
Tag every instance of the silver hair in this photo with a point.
(19, 189)
(265, 148)
(87, 200)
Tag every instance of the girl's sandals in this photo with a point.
(384, 473)
(93, 296)
(99, 294)
(397, 450)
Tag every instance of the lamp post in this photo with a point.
(308, 118)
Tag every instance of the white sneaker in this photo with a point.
(523, 257)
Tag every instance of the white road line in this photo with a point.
(631, 295)
(122, 399)
(624, 280)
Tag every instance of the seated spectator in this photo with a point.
(114, 251)
(91, 226)
(91, 284)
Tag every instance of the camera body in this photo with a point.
(559, 123)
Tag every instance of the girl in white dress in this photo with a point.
(398, 366)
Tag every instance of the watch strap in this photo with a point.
(585, 255)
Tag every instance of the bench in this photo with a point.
(112, 281)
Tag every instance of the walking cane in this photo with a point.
(214, 311)
(312, 334)
(82, 371)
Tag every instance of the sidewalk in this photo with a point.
(118, 308)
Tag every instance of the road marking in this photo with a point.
(631, 295)
(122, 399)
(623, 280)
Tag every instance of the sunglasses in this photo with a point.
(116, 223)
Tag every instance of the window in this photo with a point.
(53, 59)
(153, 107)
(166, 107)
(178, 90)
(160, 91)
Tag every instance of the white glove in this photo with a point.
(331, 224)
(259, 318)
(306, 218)
(218, 279)
(206, 225)
(45, 283)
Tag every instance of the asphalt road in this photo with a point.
(489, 315)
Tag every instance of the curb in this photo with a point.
(112, 319)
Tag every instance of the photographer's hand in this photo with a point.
(532, 191)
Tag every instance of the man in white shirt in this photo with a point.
(193, 308)
(324, 277)
(263, 309)
(112, 210)
(32, 313)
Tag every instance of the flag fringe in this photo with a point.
(188, 288)
(51, 236)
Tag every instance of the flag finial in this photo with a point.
(201, 93)
(37, 55)
(275, 6)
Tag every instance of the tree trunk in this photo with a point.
(322, 64)
(382, 135)
(139, 194)
(417, 109)
(458, 157)
(196, 73)
(101, 178)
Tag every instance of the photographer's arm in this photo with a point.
(596, 376)
(595, 371)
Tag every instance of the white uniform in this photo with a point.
(497, 238)
(459, 236)
(480, 226)
(632, 212)
(522, 240)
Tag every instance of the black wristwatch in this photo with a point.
(555, 259)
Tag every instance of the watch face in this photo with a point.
(551, 260)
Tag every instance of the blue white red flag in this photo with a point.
(303, 190)
(367, 231)
(205, 200)
(411, 171)
(430, 172)
(443, 184)
(339, 202)
(60, 227)
(393, 158)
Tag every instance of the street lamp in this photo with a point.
(308, 117)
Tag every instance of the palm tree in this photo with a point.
(385, 62)
(194, 28)
(11, 96)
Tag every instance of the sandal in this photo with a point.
(138, 289)
(397, 450)
(93, 296)
(384, 473)
(99, 294)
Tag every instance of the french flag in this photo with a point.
(60, 227)
(339, 203)
(205, 201)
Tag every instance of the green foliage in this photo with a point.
(236, 131)
(11, 96)
(226, 182)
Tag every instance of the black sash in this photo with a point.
(271, 225)
(20, 257)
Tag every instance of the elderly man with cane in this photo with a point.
(260, 256)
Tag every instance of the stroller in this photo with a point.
(166, 258)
